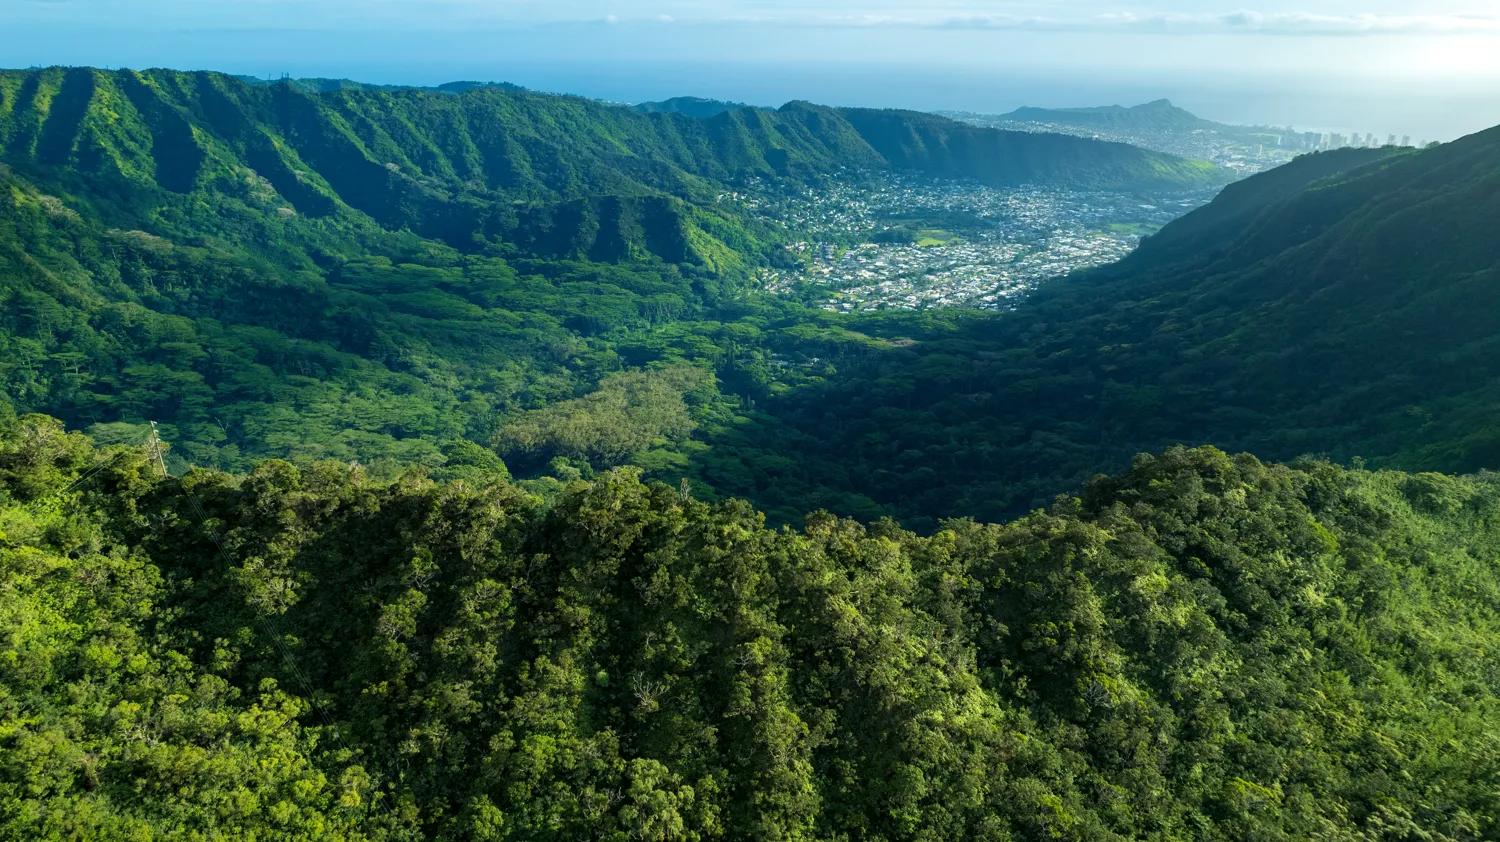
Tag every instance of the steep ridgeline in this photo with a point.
(439, 164)
(462, 168)
(316, 270)
(690, 106)
(1346, 304)
(334, 338)
(1203, 648)
(939, 146)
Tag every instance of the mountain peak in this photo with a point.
(1158, 113)
(691, 106)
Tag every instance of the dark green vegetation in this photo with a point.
(410, 296)
(1206, 647)
(383, 275)
(1159, 114)
(691, 106)
(1347, 304)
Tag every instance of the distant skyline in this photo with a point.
(1427, 68)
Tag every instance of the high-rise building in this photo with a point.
(1391, 141)
(1406, 140)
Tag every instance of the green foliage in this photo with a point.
(404, 295)
(327, 271)
(629, 413)
(1206, 647)
(1343, 305)
(109, 728)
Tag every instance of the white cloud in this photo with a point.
(1270, 17)
(1241, 21)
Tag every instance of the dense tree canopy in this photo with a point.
(476, 329)
(1205, 647)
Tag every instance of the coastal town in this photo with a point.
(1162, 127)
(1246, 150)
(902, 242)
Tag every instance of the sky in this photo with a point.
(1430, 68)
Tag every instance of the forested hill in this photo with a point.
(1347, 304)
(691, 106)
(1205, 648)
(469, 323)
(311, 270)
(435, 162)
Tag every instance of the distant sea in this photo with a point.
(1431, 110)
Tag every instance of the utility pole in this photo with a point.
(156, 451)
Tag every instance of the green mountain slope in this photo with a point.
(405, 157)
(1343, 305)
(324, 270)
(1205, 648)
(690, 106)
(939, 146)
(409, 295)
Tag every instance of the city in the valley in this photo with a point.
(876, 241)
(900, 242)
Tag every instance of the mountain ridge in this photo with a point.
(1160, 113)
(691, 106)
(487, 140)
(1341, 305)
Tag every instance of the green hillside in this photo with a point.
(690, 106)
(472, 327)
(1342, 305)
(405, 157)
(1205, 647)
(305, 271)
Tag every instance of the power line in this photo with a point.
(85, 477)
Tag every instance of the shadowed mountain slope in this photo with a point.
(1347, 304)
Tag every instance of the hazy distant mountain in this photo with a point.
(691, 106)
(321, 86)
(1159, 114)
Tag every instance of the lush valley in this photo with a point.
(472, 326)
(317, 270)
(1343, 305)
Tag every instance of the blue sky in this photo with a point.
(1340, 63)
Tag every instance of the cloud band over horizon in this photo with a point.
(1395, 18)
